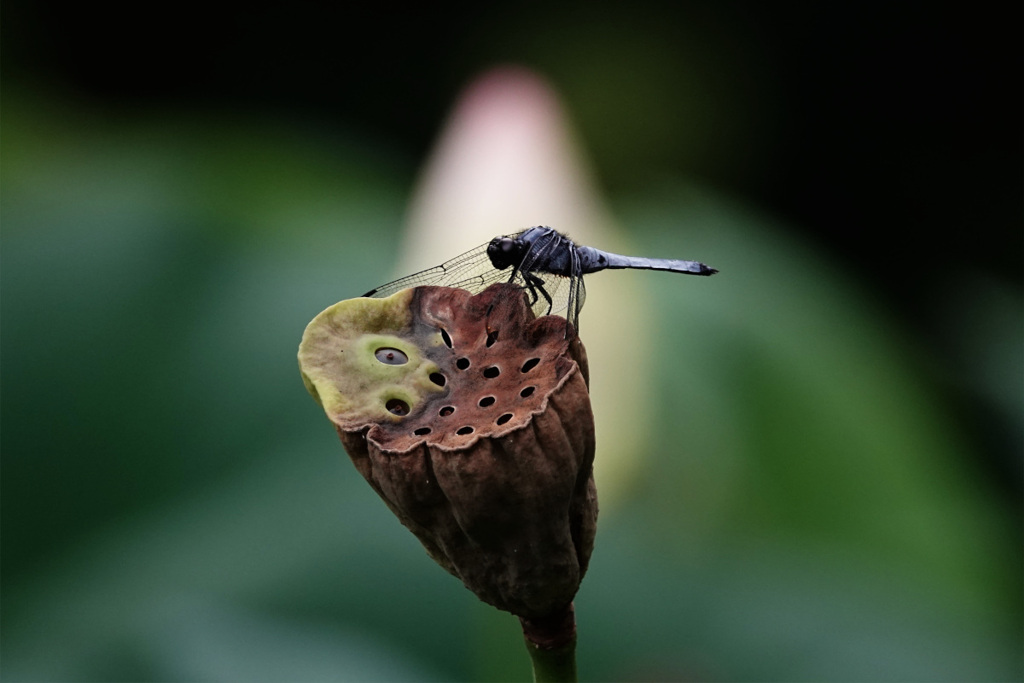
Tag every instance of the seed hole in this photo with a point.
(397, 406)
(492, 372)
(486, 401)
(530, 364)
(492, 337)
(462, 363)
(390, 356)
(437, 378)
(464, 431)
(445, 338)
(422, 431)
(446, 411)
(504, 418)
(527, 391)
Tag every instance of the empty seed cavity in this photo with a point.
(462, 363)
(527, 391)
(492, 372)
(503, 419)
(530, 364)
(486, 401)
(445, 338)
(465, 430)
(397, 406)
(422, 431)
(390, 356)
(492, 337)
(437, 378)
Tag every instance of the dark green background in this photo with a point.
(184, 186)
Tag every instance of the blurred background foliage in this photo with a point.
(835, 488)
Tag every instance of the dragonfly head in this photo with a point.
(506, 251)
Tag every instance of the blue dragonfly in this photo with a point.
(546, 264)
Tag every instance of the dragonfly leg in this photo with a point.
(531, 297)
(537, 285)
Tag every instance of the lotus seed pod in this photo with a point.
(471, 419)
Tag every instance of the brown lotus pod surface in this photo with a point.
(471, 419)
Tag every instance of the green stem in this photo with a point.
(551, 642)
(557, 665)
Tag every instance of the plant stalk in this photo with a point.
(551, 642)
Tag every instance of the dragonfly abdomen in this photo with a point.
(594, 260)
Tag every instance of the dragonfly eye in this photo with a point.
(502, 251)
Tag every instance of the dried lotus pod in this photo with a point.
(471, 419)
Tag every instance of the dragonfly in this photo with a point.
(546, 264)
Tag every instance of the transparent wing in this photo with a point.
(577, 292)
(471, 271)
